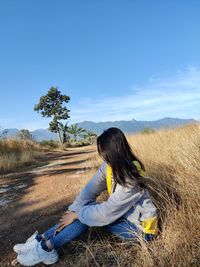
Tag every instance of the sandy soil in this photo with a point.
(35, 198)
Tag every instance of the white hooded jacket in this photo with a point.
(130, 202)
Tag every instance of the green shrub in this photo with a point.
(50, 143)
(78, 143)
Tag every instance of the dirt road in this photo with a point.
(36, 198)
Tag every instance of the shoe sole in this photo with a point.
(29, 265)
(49, 263)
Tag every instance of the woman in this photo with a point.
(127, 213)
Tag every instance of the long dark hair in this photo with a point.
(113, 147)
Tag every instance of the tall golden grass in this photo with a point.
(171, 158)
(15, 153)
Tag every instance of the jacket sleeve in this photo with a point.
(119, 203)
(92, 189)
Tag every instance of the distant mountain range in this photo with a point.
(131, 126)
(134, 126)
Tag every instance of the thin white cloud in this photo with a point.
(177, 96)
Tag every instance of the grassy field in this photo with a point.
(171, 158)
(16, 153)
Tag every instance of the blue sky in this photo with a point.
(116, 59)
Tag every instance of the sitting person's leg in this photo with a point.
(123, 229)
(45, 250)
(67, 234)
(49, 233)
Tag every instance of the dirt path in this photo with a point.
(35, 198)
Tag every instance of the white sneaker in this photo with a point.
(38, 255)
(29, 244)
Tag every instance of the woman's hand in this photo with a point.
(67, 218)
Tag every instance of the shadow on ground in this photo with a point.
(16, 227)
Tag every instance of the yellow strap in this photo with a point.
(109, 179)
(150, 226)
(109, 175)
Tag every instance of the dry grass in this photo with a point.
(15, 153)
(172, 161)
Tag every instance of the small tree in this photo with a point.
(64, 129)
(24, 134)
(52, 105)
(75, 130)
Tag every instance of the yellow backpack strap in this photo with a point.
(109, 175)
(150, 226)
(109, 179)
(139, 168)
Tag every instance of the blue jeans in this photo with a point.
(121, 227)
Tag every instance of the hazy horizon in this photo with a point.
(47, 128)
